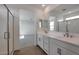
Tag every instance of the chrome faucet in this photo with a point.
(66, 34)
(67, 31)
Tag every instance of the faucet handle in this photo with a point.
(64, 35)
(71, 36)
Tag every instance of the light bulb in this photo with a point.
(43, 5)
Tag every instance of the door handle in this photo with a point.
(6, 35)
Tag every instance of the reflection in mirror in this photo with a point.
(61, 24)
(67, 20)
(52, 23)
(73, 17)
(73, 26)
(45, 25)
(73, 22)
(40, 23)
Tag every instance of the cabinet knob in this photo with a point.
(59, 51)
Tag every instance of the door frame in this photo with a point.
(8, 11)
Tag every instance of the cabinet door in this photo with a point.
(56, 49)
(40, 41)
(68, 52)
(3, 30)
(10, 33)
(53, 47)
(46, 46)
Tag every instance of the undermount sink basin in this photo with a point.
(60, 35)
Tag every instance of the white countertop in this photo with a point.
(59, 36)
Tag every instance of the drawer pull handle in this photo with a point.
(59, 51)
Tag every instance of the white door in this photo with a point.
(10, 33)
(3, 30)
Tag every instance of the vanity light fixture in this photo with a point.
(74, 17)
(60, 20)
(70, 12)
(51, 25)
(40, 24)
(43, 5)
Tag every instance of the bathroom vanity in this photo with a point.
(56, 44)
(59, 34)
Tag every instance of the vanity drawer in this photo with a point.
(46, 48)
(68, 46)
(40, 41)
(46, 41)
(62, 51)
(39, 35)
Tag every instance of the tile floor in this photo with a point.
(32, 50)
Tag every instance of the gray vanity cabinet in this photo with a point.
(46, 45)
(53, 46)
(43, 42)
(60, 48)
(40, 41)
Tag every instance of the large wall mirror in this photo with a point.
(73, 22)
(65, 18)
(48, 24)
(43, 24)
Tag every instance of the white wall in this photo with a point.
(27, 27)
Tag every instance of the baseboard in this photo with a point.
(12, 52)
(41, 49)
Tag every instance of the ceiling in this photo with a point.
(30, 6)
(35, 8)
(24, 6)
(64, 9)
(52, 9)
